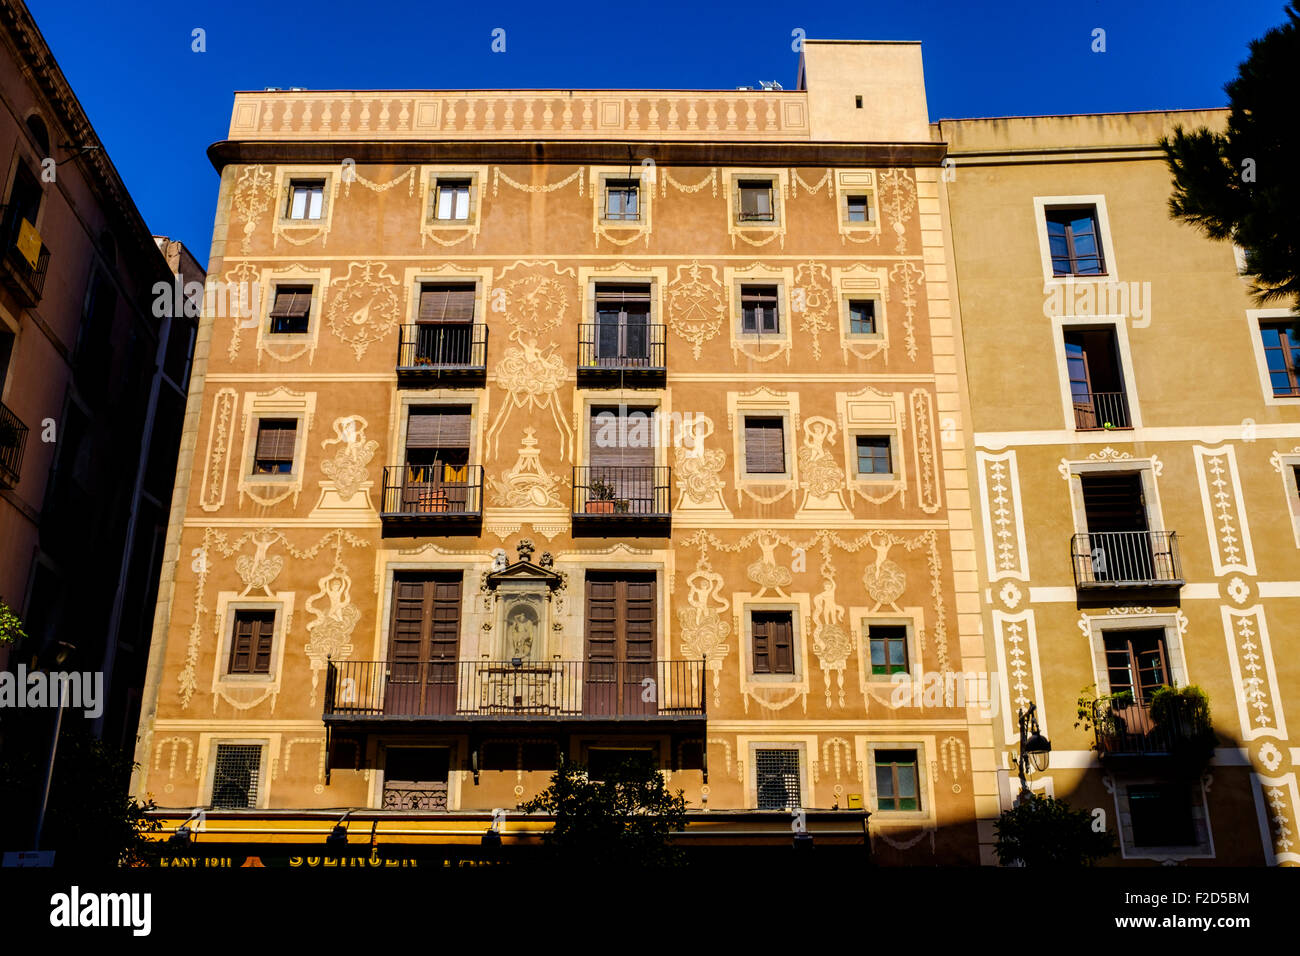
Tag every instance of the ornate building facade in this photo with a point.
(1137, 439)
(595, 424)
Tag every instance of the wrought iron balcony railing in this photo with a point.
(508, 690)
(25, 280)
(1108, 559)
(622, 492)
(627, 348)
(1126, 729)
(1098, 411)
(13, 442)
(433, 494)
(427, 351)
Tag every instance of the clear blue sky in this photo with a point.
(157, 106)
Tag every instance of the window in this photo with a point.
(250, 644)
(859, 209)
(621, 199)
(1096, 382)
(1137, 661)
(235, 776)
(290, 312)
(759, 311)
(620, 643)
(306, 199)
(444, 330)
(776, 777)
(1161, 815)
(1282, 357)
(1074, 241)
(451, 199)
(415, 778)
(424, 645)
(436, 477)
(897, 786)
(772, 640)
(40, 134)
(862, 316)
(875, 457)
(602, 761)
(756, 200)
(277, 439)
(622, 325)
(764, 445)
(888, 644)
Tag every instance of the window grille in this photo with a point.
(778, 779)
(235, 779)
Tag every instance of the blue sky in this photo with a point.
(157, 105)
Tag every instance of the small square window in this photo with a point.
(776, 778)
(764, 445)
(622, 200)
(772, 640)
(862, 316)
(306, 199)
(859, 209)
(1074, 240)
(250, 643)
(291, 310)
(451, 200)
(1282, 357)
(888, 646)
(759, 310)
(875, 456)
(897, 783)
(235, 776)
(1161, 815)
(756, 200)
(277, 439)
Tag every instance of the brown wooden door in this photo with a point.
(620, 661)
(423, 645)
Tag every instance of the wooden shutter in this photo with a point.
(610, 294)
(621, 617)
(405, 644)
(241, 647)
(438, 426)
(602, 620)
(291, 303)
(621, 452)
(760, 640)
(452, 304)
(639, 619)
(264, 629)
(276, 439)
(772, 638)
(250, 646)
(764, 446)
(444, 637)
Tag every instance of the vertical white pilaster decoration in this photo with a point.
(1277, 804)
(1016, 640)
(1254, 678)
(1225, 510)
(1004, 528)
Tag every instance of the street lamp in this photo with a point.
(63, 651)
(1035, 749)
(338, 838)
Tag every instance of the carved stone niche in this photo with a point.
(521, 599)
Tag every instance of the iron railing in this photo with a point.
(1127, 730)
(622, 491)
(445, 347)
(1097, 411)
(506, 689)
(622, 347)
(432, 491)
(13, 442)
(26, 281)
(1126, 559)
(398, 796)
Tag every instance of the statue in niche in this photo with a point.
(521, 631)
(499, 560)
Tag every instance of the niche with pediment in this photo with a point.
(524, 604)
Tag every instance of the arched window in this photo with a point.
(36, 126)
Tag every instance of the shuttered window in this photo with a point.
(622, 436)
(755, 200)
(289, 313)
(759, 311)
(276, 440)
(438, 426)
(442, 303)
(772, 636)
(250, 644)
(764, 445)
(777, 779)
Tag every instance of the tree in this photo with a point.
(1240, 184)
(627, 819)
(1043, 831)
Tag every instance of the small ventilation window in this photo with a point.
(857, 102)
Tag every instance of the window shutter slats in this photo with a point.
(621, 293)
(291, 303)
(439, 427)
(612, 436)
(764, 446)
(446, 303)
(276, 439)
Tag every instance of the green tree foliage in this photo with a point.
(1240, 184)
(1043, 831)
(627, 819)
(11, 626)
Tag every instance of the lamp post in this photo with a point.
(1035, 749)
(63, 652)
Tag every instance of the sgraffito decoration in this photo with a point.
(348, 466)
(898, 202)
(252, 197)
(366, 305)
(245, 309)
(221, 434)
(907, 277)
(812, 300)
(330, 629)
(696, 469)
(831, 640)
(924, 451)
(696, 308)
(767, 572)
(527, 484)
(821, 479)
(703, 621)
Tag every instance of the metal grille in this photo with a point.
(778, 779)
(234, 782)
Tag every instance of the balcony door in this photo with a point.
(622, 325)
(620, 654)
(424, 645)
(436, 473)
(1096, 382)
(1118, 538)
(444, 330)
(621, 456)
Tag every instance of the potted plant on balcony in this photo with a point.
(601, 498)
(1183, 714)
(1104, 714)
(432, 500)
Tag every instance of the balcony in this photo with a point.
(20, 276)
(13, 442)
(1126, 559)
(1124, 730)
(449, 354)
(528, 696)
(633, 498)
(1101, 411)
(630, 354)
(445, 504)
